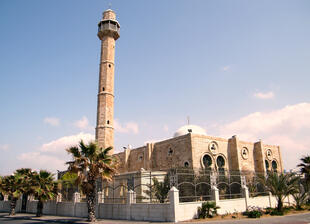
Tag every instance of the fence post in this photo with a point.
(174, 203)
(100, 197)
(245, 194)
(215, 194)
(30, 198)
(77, 197)
(59, 197)
(270, 198)
(131, 199)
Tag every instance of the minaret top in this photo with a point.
(109, 14)
(108, 25)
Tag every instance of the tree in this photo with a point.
(67, 183)
(301, 194)
(305, 167)
(10, 185)
(26, 180)
(207, 210)
(159, 190)
(44, 189)
(15, 185)
(90, 163)
(279, 185)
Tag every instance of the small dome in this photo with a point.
(190, 129)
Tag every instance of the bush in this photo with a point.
(207, 210)
(268, 210)
(253, 212)
(276, 212)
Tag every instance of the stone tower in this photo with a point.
(108, 33)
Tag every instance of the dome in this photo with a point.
(190, 129)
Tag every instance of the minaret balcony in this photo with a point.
(108, 27)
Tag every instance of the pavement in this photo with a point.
(22, 218)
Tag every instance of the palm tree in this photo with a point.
(67, 184)
(159, 190)
(300, 195)
(91, 163)
(207, 210)
(305, 167)
(44, 189)
(10, 185)
(26, 180)
(280, 185)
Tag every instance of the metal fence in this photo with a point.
(193, 185)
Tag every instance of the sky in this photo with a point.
(234, 67)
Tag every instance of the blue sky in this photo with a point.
(235, 67)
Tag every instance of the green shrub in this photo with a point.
(207, 210)
(276, 212)
(253, 212)
(268, 210)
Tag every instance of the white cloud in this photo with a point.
(128, 127)
(83, 123)
(264, 96)
(62, 143)
(4, 147)
(37, 161)
(288, 127)
(52, 155)
(53, 121)
(225, 68)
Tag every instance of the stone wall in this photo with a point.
(189, 150)
(173, 211)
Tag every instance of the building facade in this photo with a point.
(192, 148)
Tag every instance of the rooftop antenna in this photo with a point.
(187, 120)
(110, 5)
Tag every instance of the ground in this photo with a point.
(303, 218)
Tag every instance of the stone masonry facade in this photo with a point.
(200, 152)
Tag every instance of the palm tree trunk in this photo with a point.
(13, 206)
(39, 208)
(91, 196)
(280, 205)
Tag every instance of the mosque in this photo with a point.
(189, 147)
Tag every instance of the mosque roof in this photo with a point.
(190, 129)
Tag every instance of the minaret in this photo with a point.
(108, 33)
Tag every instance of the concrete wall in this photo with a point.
(231, 206)
(173, 211)
(188, 210)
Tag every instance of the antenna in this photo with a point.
(110, 5)
(187, 120)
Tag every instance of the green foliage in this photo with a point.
(15, 185)
(305, 167)
(268, 210)
(276, 212)
(44, 188)
(159, 190)
(69, 177)
(90, 163)
(207, 210)
(253, 212)
(301, 195)
(279, 185)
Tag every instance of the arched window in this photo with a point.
(186, 164)
(207, 161)
(267, 164)
(220, 162)
(170, 152)
(274, 165)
